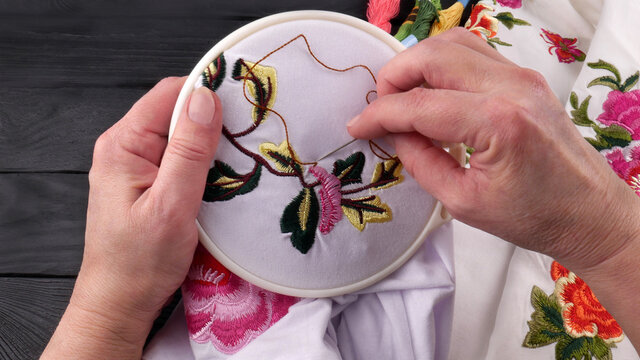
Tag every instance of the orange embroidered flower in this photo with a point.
(481, 22)
(582, 313)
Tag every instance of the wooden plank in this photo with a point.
(45, 130)
(30, 310)
(42, 222)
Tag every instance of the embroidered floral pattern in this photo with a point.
(628, 170)
(565, 48)
(572, 318)
(483, 24)
(514, 4)
(340, 191)
(619, 123)
(622, 109)
(223, 309)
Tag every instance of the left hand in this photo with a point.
(141, 231)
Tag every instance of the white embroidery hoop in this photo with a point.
(438, 214)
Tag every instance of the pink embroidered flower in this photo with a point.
(481, 22)
(225, 310)
(628, 170)
(330, 197)
(623, 109)
(514, 4)
(582, 313)
(565, 48)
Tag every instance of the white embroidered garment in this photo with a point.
(569, 43)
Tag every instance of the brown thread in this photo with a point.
(388, 156)
(284, 123)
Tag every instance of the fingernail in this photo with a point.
(353, 121)
(201, 106)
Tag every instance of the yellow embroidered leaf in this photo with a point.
(365, 210)
(281, 157)
(261, 84)
(387, 173)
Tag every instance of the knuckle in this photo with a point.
(188, 150)
(534, 79)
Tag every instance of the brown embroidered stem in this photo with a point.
(368, 186)
(262, 161)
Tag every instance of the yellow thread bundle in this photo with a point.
(447, 19)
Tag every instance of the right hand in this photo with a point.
(532, 180)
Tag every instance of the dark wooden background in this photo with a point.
(69, 69)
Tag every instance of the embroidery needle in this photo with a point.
(336, 150)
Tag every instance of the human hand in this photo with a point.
(141, 231)
(532, 179)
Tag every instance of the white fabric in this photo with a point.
(406, 316)
(316, 103)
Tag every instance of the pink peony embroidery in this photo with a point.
(225, 310)
(330, 197)
(623, 109)
(514, 4)
(565, 48)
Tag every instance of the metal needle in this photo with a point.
(336, 150)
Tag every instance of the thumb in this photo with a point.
(187, 158)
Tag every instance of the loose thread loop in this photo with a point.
(284, 123)
(387, 155)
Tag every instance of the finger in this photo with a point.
(143, 130)
(466, 38)
(440, 64)
(432, 167)
(444, 115)
(183, 171)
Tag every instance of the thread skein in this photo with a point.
(380, 13)
(448, 18)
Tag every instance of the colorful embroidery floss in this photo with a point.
(448, 19)
(380, 13)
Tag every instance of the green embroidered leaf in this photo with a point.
(349, 170)
(573, 100)
(579, 116)
(496, 40)
(613, 135)
(601, 64)
(608, 81)
(281, 156)
(387, 174)
(215, 72)
(630, 82)
(507, 19)
(300, 218)
(223, 183)
(586, 348)
(365, 210)
(545, 326)
(261, 83)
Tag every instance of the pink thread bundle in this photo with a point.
(330, 198)
(380, 13)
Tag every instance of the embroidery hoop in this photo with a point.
(438, 216)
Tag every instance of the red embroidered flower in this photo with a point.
(225, 310)
(514, 4)
(623, 109)
(481, 22)
(565, 48)
(582, 313)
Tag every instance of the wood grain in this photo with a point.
(30, 309)
(42, 221)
